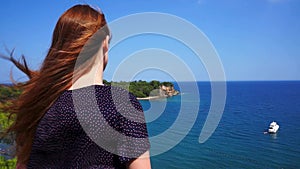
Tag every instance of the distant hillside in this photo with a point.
(144, 89)
(8, 92)
(140, 89)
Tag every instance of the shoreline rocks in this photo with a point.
(162, 92)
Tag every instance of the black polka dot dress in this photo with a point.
(94, 127)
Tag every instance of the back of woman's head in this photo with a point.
(73, 32)
(80, 27)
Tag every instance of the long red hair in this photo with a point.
(73, 31)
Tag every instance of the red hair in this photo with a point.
(72, 32)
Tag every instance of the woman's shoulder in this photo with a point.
(114, 92)
(96, 93)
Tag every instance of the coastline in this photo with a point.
(150, 97)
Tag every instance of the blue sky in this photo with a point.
(255, 39)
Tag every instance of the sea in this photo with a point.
(240, 139)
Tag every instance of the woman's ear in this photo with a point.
(105, 45)
(105, 51)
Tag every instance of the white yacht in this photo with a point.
(273, 127)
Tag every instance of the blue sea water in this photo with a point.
(239, 140)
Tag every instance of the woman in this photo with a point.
(56, 123)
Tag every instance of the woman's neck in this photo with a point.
(93, 77)
(88, 79)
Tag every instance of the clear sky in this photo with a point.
(255, 39)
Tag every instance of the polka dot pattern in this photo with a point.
(67, 139)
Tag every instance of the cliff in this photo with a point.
(147, 90)
(167, 91)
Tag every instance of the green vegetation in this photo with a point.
(140, 88)
(6, 93)
(7, 164)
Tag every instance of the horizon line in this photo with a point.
(194, 81)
